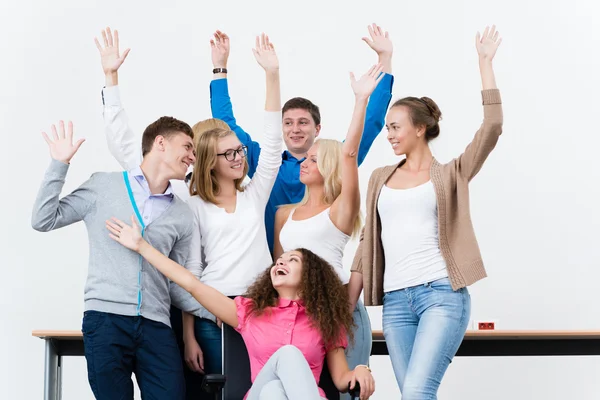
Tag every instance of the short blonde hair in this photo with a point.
(204, 183)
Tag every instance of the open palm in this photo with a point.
(368, 82)
(61, 145)
(110, 57)
(265, 54)
(219, 49)
(128, 236)
(379, 41)
(488, 43)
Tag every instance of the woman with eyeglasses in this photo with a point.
(231, 245)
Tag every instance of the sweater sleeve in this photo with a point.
(470, 162)
(194, 261)
(269, 161)
(49, 212)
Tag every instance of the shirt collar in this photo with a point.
(284, 303)
(288, 156)
(138, 174)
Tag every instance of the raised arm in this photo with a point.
(220, 102)
(471, 161)
(49, 212)
(281, 217)
(121, 140)
(270, 158)
(346, 207)
(214, 301)
(379, 101)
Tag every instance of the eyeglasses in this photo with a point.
(231, 154)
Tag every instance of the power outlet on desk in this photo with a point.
(485, 325)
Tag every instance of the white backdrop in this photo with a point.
(534, 205)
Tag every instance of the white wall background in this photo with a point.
(534, 204)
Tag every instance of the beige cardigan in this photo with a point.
(456, 234)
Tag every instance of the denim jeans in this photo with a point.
(116, 346)
(359, 352)
(423, 327)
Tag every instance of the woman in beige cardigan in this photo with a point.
(418, 251)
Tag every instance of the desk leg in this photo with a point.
(52, 373)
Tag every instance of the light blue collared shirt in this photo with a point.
(149, 205)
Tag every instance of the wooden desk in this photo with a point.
(475, 344)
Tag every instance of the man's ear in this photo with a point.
(318, 130)
(159, 143)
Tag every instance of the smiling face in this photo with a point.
(309, 169)
(402, 134)
(287, 271)
(299, 130)
(178, 154)
(231, 158)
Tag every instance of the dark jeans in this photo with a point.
(117, 346)
(208, 336)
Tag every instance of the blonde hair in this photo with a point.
(204, 183)
(329, 163)
(207, 125)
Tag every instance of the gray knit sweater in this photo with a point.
(119, 281)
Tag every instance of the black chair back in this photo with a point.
(236, 367)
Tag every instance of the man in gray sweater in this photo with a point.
(126, 324)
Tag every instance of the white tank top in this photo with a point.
(319, 235)
(410, 237)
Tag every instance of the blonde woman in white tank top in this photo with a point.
(329, 212)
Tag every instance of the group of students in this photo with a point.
(206, 226)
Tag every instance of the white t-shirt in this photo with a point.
(232, 247)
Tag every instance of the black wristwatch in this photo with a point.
(220, 71)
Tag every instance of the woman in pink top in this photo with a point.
(285, 319)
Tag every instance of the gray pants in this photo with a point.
(286, 376)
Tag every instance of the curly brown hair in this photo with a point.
(324, 295)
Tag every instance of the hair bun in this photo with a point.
(433, 108)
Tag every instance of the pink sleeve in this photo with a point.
(342, 342)
(243, 305)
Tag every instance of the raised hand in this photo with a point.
(379, 41)
(219, 49)
(109, 54)
(368, 82)
(264, 52)
(488, 43)
(61, 146)
(128, 236)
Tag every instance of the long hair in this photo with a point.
(204, 182)
(329, 163)
(325, 297)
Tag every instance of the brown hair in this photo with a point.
(207, 125)
(303, 104)
(325, 297)
(166, 127)
(423, 112)
(204, 183)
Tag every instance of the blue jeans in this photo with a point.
(359, 352)
(117, 346)
(423, 327)
(208, 336)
